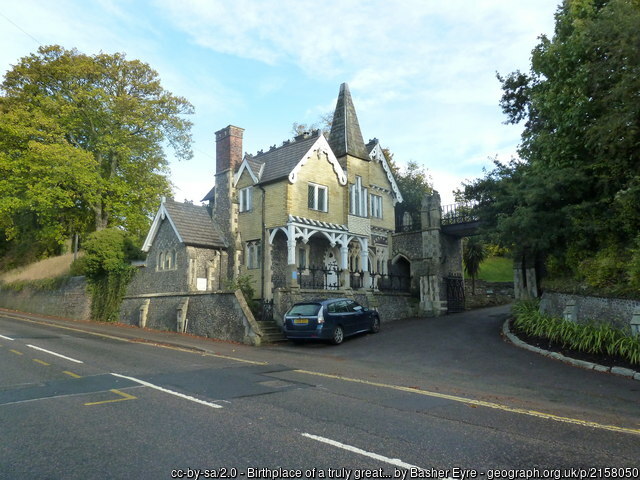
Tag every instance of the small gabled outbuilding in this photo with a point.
(185, 251)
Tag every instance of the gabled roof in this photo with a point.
(192, 225)
(210, 196)
(375, 153)
(345, 136)
(285, 161)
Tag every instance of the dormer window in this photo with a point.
(317, 197)
(358, 198)
(245, 197)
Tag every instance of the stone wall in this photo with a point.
(69, 300)
(487, 293)
(151, 278)
(220, 315)
(615, 311)
(391, 306)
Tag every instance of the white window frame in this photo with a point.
(376, 205)
(358, 198)
(245, 196)
(316, 206)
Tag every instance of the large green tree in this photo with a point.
(83, 142)
(574, 191)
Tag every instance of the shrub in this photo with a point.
(244, 284)
(594, 338)
(107, 267)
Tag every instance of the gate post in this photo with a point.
(430, 300)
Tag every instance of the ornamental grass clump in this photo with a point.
(593, 338)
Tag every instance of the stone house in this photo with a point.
(185, 250)
(314, 212)
(312, 217)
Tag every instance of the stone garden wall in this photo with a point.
(221, 315)
(615, 311)
(70, 299)
(391, 306)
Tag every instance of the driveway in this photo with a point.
(466, 354)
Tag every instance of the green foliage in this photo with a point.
(593, 338)
(106, 264)
(244, 283)
(81, 145)
(473, 254)
(575, 190)
(494, 250)
(606, 269)
(42, 284)
(414, 183)
(495, 269)
(78, 267)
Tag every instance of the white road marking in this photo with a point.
(165, 390)
(393, 461)
(6, 338)
(54, 353)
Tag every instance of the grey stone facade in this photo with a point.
(216, 315)
(69, 300)
(616, 311)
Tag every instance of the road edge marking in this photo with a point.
(393, 461)
(134, 340)
(166, 390)
(480, 403)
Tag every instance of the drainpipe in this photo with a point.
(264, 246)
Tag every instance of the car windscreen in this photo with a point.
(306, 309)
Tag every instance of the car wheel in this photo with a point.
(338, 336)
(375, 326)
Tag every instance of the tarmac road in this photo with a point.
(84, 400)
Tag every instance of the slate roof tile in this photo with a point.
(194, 224)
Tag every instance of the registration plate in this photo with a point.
(301, 321)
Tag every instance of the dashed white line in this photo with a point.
(6, 338)
(392, 461)
(171, 392)
(54, 353)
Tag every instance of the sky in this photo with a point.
(422, 73)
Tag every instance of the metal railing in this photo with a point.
(319, 278)
(457, 213)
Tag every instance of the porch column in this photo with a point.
(345, 283)
(364, 261)
(267, 288)
(292, 272)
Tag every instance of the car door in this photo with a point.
(355, 316)
(362, 318)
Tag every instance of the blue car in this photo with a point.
(332, 320)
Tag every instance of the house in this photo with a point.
(314, 212)
(185, 250)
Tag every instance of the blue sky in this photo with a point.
(421, 72)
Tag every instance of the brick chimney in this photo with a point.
(228, 148)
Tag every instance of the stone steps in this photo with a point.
(271, 331)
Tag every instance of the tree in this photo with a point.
(414, 183)
(573, 191)
(473, 254)
(108, 118)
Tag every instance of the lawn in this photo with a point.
(496, 269)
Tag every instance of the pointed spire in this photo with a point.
(345, 136)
